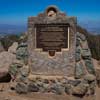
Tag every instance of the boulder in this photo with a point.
(89, 65)
(13, 48)
(21, 88)
(80, 90)
(98, 76)
(81, 36)
(68, 88)
(24, 71)
(89, 78)
(6, 59)
(86, 54)
(22, 53)
(56, 88)
(32, 87)
(78, 53)
(79, 70)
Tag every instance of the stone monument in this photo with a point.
(59, 59)
(52, 43)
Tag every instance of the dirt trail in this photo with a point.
(39, 96)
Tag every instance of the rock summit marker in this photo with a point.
(52, 43)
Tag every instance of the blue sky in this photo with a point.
(16, 12)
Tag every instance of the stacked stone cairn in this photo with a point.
(82, 84)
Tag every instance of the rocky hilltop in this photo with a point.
(14, 69)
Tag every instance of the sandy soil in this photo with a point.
(11, 95)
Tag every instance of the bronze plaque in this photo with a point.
(52, 37)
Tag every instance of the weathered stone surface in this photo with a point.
(81, 36)
(78, 53)
(13, 48)
(6, 59)
(22, 53)
(89, 66)
(84, 45)
(79, 70)
(68, 88)
(40, 61)
(24, 71)
(80, 90)
(21, 88)
(32, 87)
(86, 54)
(98, 76)
(78, 41)
(56, 88)
(89, 77)
(74, 82)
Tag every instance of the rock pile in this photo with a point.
(84, 62)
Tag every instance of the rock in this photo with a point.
(89, 66)
(74, 82)
(21, 88)
(78, 54)
(84, 45)
(80, 90)
(46, 87)
(23, 44)
(86, 54)
(22, 53)
(92, 88)
(6, 59)
(14, 67)
(81, 36)
(68, 88)
(24, 71)
(98, 76)
(56, 88)
(13, 48)
(79, 70)
(78, 41)
(32, 87)
(89, 78)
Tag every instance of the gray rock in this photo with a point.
(80, 90)
(32, 87)
(78, 41)
(81, 36)
(89, 78)
(78, 54)
(68, 88)
(89, 66)
(98, 76)
(22, 53)
(46, 87)
(79, 70)
(56, 88)
(74, 82)
(23, 44)
(21, 88)
(13, 48)
(24, 71)
(6, 59)
(84, 45)
(86, 54)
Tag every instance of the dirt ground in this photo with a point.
(11, 95)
